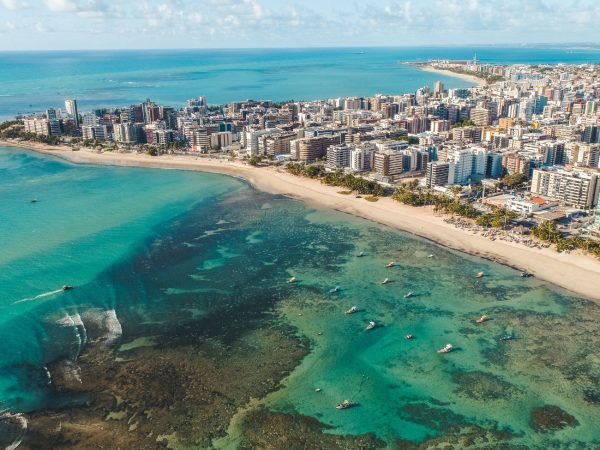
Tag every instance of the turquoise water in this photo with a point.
(171, 257)
(34, 81)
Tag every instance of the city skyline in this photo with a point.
(98, 24)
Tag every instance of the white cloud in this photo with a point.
(14, 5)
(61, 5)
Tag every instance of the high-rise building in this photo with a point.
(338, 156)
(71, 107)
(389, 163)
(578, 189)
(437, 174)
(438, 89)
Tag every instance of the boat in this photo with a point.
(360, 255)
(482, 319)
(480, 275)
(430, 256)
(317, 389)
(409, 294)
(352, 310)
(345, 404)
(66, 287)
(390, 264)
(506, 337)
(447, 349)
(34, 200)
(409, 336)
(335, 289)
(526, 275)
(386, 281)
(371, 325)
(292, 280)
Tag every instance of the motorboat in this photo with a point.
(390, 264)
(409, 337)
(526, 275)
(430, 256)
(482, 319)
(292, 280)
(352, 310)
(480, 275)
(317, 389)
(360, 255)
(409, 294)
(345, 404)
(34, 200)
(371, 325)
(506, 337)
(446, 349)
(66, 287)
(386, 281)
(334, 290)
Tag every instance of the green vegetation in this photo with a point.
(548, 232)
(514, 180)
(412, 140)
(496, 219)
(463, 123)
(337, 178)
(371, 198)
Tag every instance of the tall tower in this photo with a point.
(71, 107)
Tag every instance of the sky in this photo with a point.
(155, 24)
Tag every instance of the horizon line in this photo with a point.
(471, 45)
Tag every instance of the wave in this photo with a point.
(105, 325)
(79, 330)
(12, 430)
(45, 294)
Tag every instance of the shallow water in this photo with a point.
(162, 260)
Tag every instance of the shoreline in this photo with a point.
(575, 272)
(479, 82)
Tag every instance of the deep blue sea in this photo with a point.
(33, 81)
(164, 262)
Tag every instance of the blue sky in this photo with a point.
(114, 24)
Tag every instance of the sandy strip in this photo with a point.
(463, 76)
(576, 272)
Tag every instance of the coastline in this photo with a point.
(575, 272)
(463, 76)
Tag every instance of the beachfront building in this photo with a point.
(574, 188)
(362, 158)
(71, 107)
(389, 163)
(437, 174)
(338, 156)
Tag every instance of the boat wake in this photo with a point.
(37, 297)
(12, 430)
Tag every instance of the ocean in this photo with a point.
(181, 316)
(34, 81)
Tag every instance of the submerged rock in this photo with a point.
(550, 417)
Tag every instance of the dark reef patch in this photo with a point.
(550, 418)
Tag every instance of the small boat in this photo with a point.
(386, 281)
(480, 275)
(482, 319)
(371, 325)
(334, 290)
(345, 404)
(34, 200)
(66, 287)
(409, 337)
(430, 256)
(317, 389)
(390, 264)
(292, 280)
(409, 294)
(352, 310)
(526, 275)
(360, 255)
(506, 337)
(447, 349)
